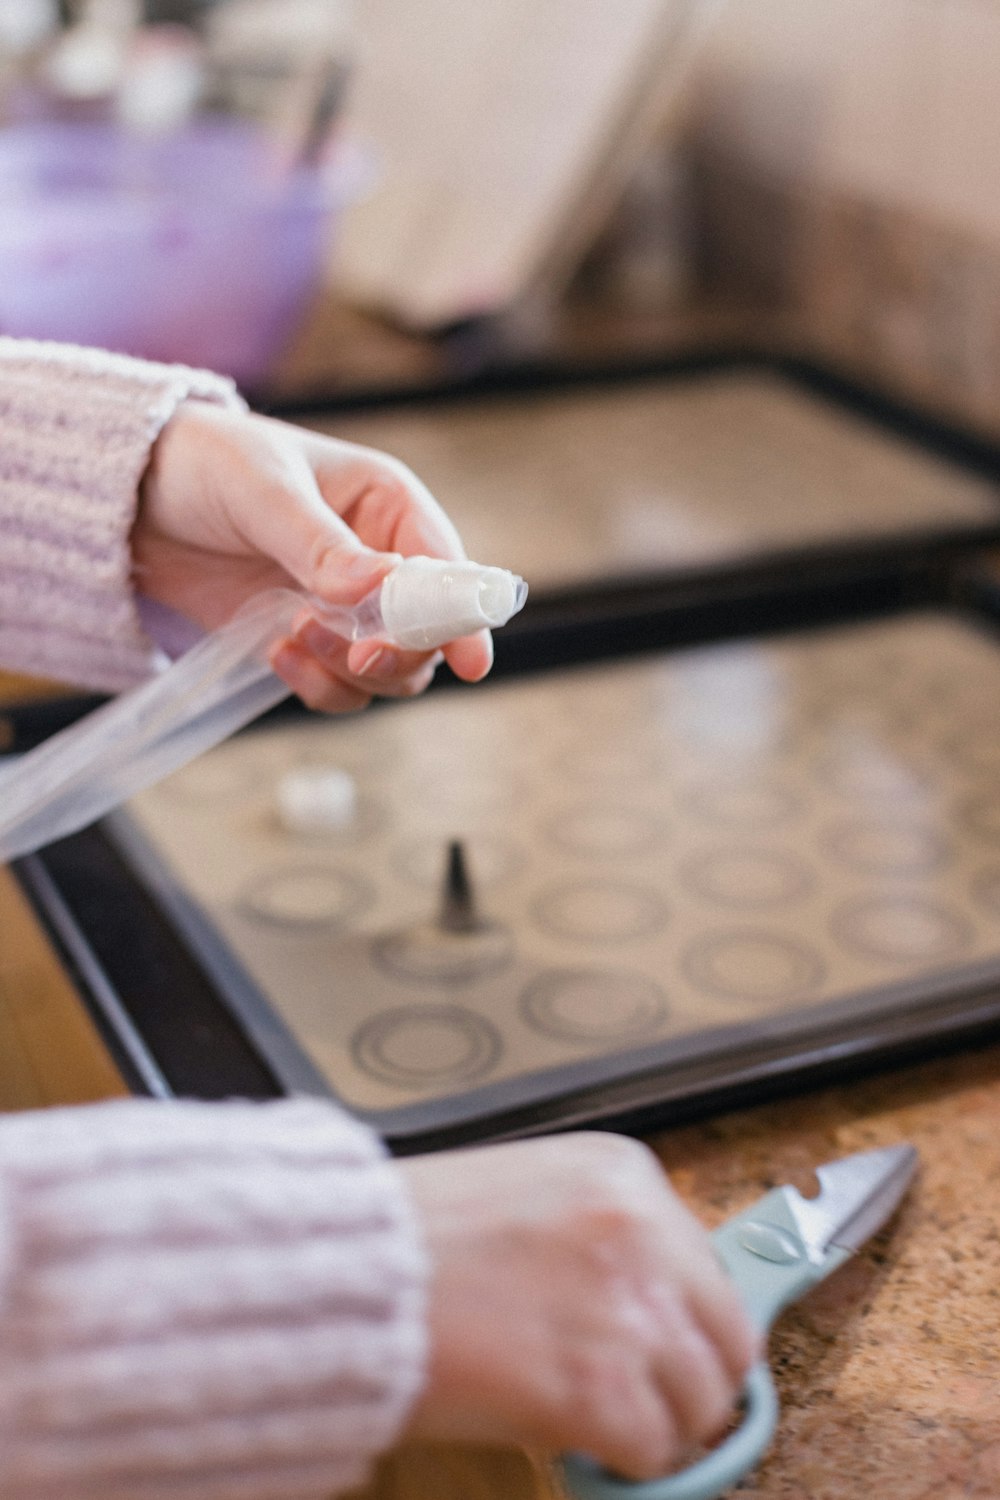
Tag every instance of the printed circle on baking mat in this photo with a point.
(600, 911)
(305, 896)
(426, 1046)
(981, 815)
(430, 954)
(593, 1005)
(742, 804)
(469, 790)
(860, 769)
(877, 719)
(886, 847)
(752, 966)
(606, 832)
(901, 928)
(615, 762)
(490, 859)
(748, 877)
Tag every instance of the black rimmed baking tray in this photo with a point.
(726, 830)
(697, 874)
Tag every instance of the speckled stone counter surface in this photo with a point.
(888, 1373)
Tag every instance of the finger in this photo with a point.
(385, 502)
(369, 668)
(636, 1435)
(292, 522)
(372, 664)
(394, 674)
(697, 1386)
(471, 656)
(318, 688)
(380, 661)
(721, 1313)
(710, 1294)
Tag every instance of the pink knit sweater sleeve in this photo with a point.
(201, 1302)
(76, 427)
(197, 1301)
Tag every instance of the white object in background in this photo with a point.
(285, 64)
(88, 61)
(223, 683)
(162, 80)
(316, 800)
(25, 25)
(504, 135)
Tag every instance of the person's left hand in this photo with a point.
(234, 502)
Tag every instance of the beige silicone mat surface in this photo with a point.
(661, 849)
(659, 474)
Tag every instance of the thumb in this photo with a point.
(317, 548)
(340, 568)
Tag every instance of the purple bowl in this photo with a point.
(192, 248)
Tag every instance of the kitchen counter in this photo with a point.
(889, 1373)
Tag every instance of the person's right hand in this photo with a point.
(575, 1305)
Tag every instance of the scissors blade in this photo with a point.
(857, 1194)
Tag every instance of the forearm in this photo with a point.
(76, 429)
(220, 1302)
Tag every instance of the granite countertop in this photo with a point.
(888, 1373)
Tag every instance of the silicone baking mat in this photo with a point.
(653, 475)
(669, 857)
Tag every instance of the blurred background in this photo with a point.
(327, 197)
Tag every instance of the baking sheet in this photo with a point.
(572, 486)
(671, 856)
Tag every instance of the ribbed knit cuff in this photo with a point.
(202, 1302)
(76, 428)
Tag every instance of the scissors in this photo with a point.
(775, 1251)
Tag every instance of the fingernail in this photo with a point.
(358, 565)
(381, 663)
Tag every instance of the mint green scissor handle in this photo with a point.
(767, 1259)
(712, 1475)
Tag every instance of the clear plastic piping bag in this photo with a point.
(81, 773)
(222, 684)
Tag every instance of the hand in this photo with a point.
(233, 503)
(576, 1305)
